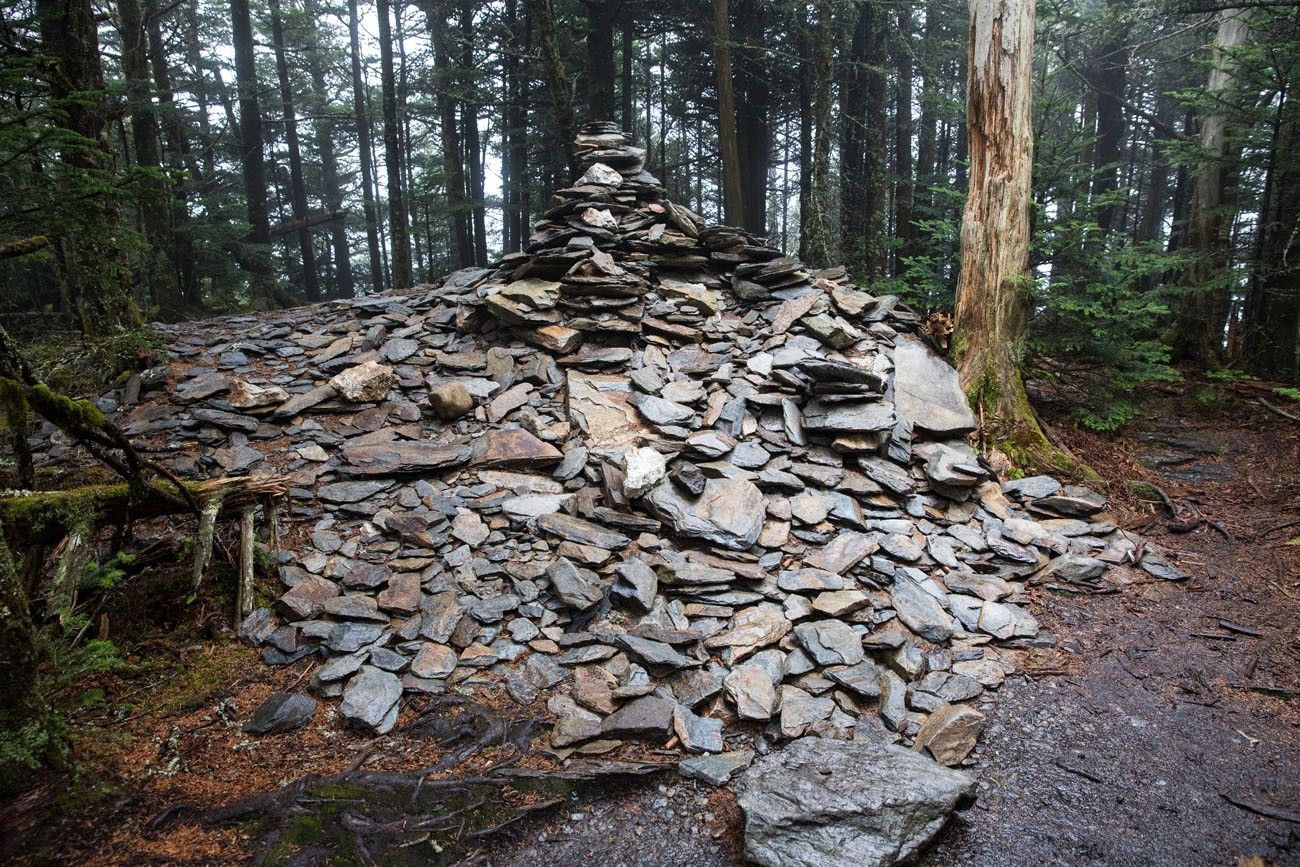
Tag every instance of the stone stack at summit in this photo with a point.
(648, 473)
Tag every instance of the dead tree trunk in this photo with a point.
(1195, 338)
(993, 289)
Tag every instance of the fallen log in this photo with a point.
(33, 520)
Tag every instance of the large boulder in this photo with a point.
(827, 803)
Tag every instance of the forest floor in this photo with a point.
(1163, 729)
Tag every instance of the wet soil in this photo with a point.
(1178, 703)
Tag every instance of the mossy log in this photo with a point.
(32, 522)
(45, 517)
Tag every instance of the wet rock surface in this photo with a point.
(823, 803)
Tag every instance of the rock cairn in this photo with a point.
(648, 474)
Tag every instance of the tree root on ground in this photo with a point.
(415, 817)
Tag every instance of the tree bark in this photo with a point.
(256, 258)
(360, 107)
(600, 58)
(1111, 83)
(158, 272)
(332, 192)
(733, 199)
(557, 80)
(1196, 338)
(469, 118)
(752, 69)
(398, 231)
(805, 142)
(854, 207)
(179, 157)
(1273, 303)
(904, 182)
(993, 289)
(818, 251)
(514, 130)
(89, 261)
(462, 247)
(298, 187)
(628, 86)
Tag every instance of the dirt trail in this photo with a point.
(1175, 698)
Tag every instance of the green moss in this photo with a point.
(1144, 490)
(1011, 426)
(81, 508)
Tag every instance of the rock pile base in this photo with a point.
(648, 473)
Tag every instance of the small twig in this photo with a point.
(1239, 629)
(1262, 809)
(1277, 409)
(1079, 772)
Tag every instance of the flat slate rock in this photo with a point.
(828, 803)
(282, 712)
(927, 390)
(403, 458)
(729, 513)
(371, 699)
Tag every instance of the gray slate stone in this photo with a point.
(282, 712)
(829, 803)
(927, 390)
(371, 698)
(729, 512)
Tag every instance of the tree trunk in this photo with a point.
(89, 260)
(1195, 335)
(752, 93)
(628, 87)
(298, 187)
(1111, 83)
(398, 233)
(805, 143)
(600, 58)
(904, 183)
(1273, 311)
(853, 143)
(473, 146)
(462, 247)
(158, 272)
(257, 258)
(733, 199)
(818, 252)
(179, 158)
(514, 131)
(993, 289)
(927, 134)
(332, 192)
(194, 57)
(361, 110)
(557, 80)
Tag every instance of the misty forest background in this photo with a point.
(167, 159)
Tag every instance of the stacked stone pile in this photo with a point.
(649, 474)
